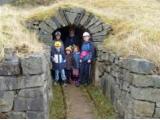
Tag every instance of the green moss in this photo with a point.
(57, 106)
(103, 106)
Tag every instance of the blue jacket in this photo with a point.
(58, 58)
(88, 46)
(76, 60)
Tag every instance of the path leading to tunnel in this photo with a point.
(78, 106)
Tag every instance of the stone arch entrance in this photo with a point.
(65, 17)
(78, 17)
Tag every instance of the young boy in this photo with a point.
(76, 65)
(86, 57)
(69, 64)
(58, 58)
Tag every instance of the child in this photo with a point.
(76, 65)
(58, 58)
(86, 57)
(69, 64)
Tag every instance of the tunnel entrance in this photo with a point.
(61, 21)
(65, 33)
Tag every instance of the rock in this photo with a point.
(71, 17)
(148, 94)
(11, 67)
(140, 66)
(29, 104)
(6, 101)
(59, 21)
(99, 28)
(84, 19)
(51, 23)
(13, 83)
(143, 109)
(32, 92)
(45, 27)
(31, 81)
(145, 80)
(9, 53)
(36, 115)
(33, 64)
(16, 115)
(8, 83)
(157, 113)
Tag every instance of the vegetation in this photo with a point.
(136, 23)
(103, 106)
(57, 106)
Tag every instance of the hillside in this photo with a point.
(136, 24)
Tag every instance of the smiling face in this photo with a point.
(86, 38)
(68, 52)
(58, 37)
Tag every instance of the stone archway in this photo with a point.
(71, 16)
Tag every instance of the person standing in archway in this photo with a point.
(72, 39)
(86, 57)
(58, 58)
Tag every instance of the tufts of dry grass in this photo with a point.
(13, 34)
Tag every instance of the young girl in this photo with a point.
(86, 58)
(76, 65)
(69, 64)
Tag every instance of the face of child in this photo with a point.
(86, 38)
(68, 52)
(58, 37)
(71, 33)
(76, 49)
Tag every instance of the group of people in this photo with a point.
(72, 62)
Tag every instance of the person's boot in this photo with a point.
(65, 84)
(55, 83)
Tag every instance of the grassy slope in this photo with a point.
(136, 23)
(13, 34)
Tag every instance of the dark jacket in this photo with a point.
(69, 61)
(76, 60)
(87, 51)
(71, 41)
(58, 58)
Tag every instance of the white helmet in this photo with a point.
(86, 34)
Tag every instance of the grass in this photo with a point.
(103, 106)
(13, 33)
(136, 23)
(57, 106)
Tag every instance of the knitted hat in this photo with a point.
(57, 33)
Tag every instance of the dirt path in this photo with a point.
(78, 106)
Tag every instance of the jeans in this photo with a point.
(62, 72)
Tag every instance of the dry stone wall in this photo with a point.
(25, 85)
(131, 84)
